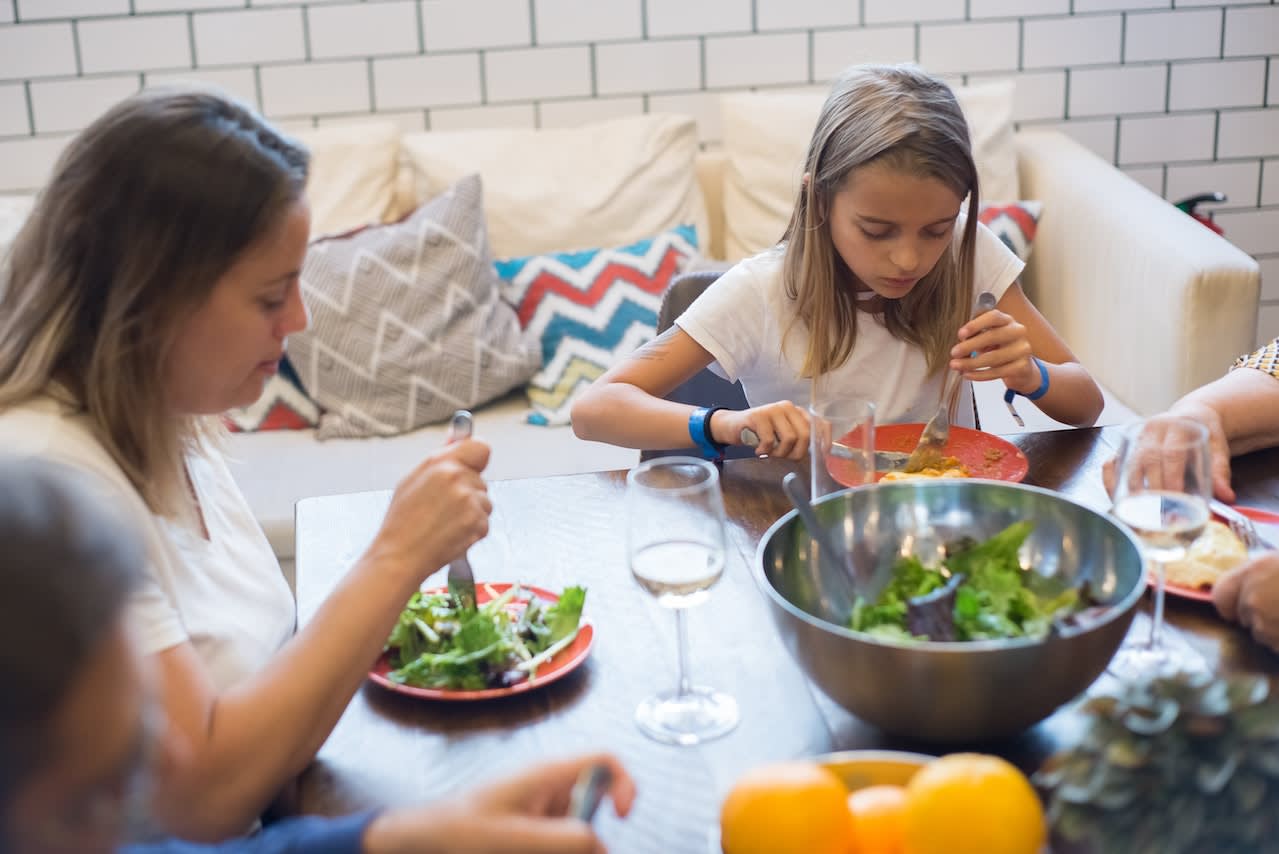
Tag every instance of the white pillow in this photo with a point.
(766, 137)
(14, 211)
(607, 183)
(353, 175)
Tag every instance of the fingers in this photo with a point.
(472, 453)
(1225, 592)
(545, 789)
(782, 429)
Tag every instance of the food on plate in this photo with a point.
(941, 467)
(435, 644)
(1213, 553)
(979, 591)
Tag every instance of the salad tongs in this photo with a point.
(461, 579)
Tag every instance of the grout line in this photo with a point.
(701, 50)
(257, 88)
(1216, 133)
(532, 23)
(861, 13)
(1118, 125)
(918, 38)
(754, 16)
(372, 88)
(812, 59)
(75, 43)
(1066, 96)
(595, 83)
(644, 20)
(306, 34)
(421, 27)
(1168, 90)
(484, 80)
(195, 58)
(31, 108)
(1021, 44)
(1261, 178)
(1123, 36)
(1163, 180)
(1222, 54)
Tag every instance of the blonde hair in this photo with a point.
(146, 210)
(908, 120)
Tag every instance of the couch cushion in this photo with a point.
(13, 213)
(555, 189)
(353, 175)
(1014, 223)
(283, 405)
(766, 136)
(406, 322)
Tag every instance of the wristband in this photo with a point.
(1009, 394)
(699, 430)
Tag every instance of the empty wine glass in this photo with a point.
(675, 542)
(1162, 488)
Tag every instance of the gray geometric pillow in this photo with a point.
(406, 323)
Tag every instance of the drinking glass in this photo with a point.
(675, 544)
(1162, 489)
(841, 444)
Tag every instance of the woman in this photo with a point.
(152, 288)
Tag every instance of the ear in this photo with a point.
(807, 177)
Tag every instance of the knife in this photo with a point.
(884, 460)
(461, 579)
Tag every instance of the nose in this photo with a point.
(904, 256)
(295, 316)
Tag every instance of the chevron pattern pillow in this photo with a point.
(588, 309)
(282, 406)
(406, 322)
(1013, 222)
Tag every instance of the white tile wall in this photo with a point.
(655, 66)
(427, 81)
(1209, 85)
(6, 11)
(1039, 95)
(1270, 281)
(756, 60)
(141, 6)
(1166, 139)
(1270, 182)
(14, 120)
(34, 10)
(454, 24)
(704, 17)
(1252, 231)
(130, 44)
(560, 21)
(580, 111)
(37, 50)
(470, 118)
(25, 164)
(835, 50)
(1267, 324)
(1237, 180)
(1081, 6)
(1248, 133)
(549, 72)
(1125, 89)
(362, 29)
(236, 38)
(68, 105)
(894, 11)
(986, 46)
(239, 82)
(1272, 82)
(1016, 8)
(1173, 35)
(1150, 177)
(1252, 31)
(314, 88)
(1057, 42)
(792, 14)
(1097, 135)
(702, 106)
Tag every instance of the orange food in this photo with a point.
(969, 803)
(793, 807)
(879, 819)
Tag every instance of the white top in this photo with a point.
(741, 320)
(226, 595)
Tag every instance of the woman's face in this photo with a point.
(231, 345)
(891, 227)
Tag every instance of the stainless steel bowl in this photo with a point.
(950, 692)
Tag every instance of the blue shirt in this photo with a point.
(308, 835)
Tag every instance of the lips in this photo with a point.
(901, 283)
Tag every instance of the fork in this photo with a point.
(1241, 526)
(461, 578)
(937, 430)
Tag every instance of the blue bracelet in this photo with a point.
(699, 431)
(1009, 394)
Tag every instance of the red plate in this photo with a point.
(984, 454)
(561, 664)
(1199, 594)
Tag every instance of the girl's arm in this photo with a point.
(1006, 339)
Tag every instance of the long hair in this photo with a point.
(147, 208)
(903, 118)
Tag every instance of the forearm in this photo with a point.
(1073, 396)
(625, 415)
(1247, 403)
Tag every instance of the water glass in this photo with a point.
(841, 446)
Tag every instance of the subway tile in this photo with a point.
(408, 121)
(654, 66)
(702, 106)
(1210, 85)
(427, 81)
(1097, 135)
(1016, 8)
(835, 50)
(69, 105)
(570, 21)
(1238, 180)
(1254, 231)
(1272, 82)
(951, 48)
(1173, 35)
(547, 72)
(756, 60)
(1270, 286)
(6, 11)
(1150, 177)
(1039, 95)
(1252, 31)
(1270, 182)
(580, 111)
(362, 29)
(37, 50)
(1267, 322)
(454, 24)
(1164, 139)
(315, 87)
(895, 11)
(1181, 4)
(701, 18)
(238, 82)
(141, 6)
(14, 119)
(1083, 6)
(35, 10)
(134, 44)
(237, 38)
(1248, 133)
(798, 14)
(1055, 42)
(1128, 89)
(25, 164)
(474, 118)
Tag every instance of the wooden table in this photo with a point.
(555, 531)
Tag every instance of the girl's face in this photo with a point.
(232, 343)
(891, 227)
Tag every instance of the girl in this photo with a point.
(153, 287)
(870, 290)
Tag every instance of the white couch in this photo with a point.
(1153, 303)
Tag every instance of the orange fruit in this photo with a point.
(879, 819)
(795, 807)
(971, 803)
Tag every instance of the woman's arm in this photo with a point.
(232, 751)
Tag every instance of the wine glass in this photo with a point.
(1162, 489)
(675, 542)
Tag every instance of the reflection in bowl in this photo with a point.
(950, 692)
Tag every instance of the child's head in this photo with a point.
(887, 169)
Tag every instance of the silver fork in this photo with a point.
(1241, 526)
(461, 578)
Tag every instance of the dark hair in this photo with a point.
(67, 565)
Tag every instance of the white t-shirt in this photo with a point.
(226, 595)
(742, 318)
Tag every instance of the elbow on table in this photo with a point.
(586, 412)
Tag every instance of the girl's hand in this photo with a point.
(782, 428)
(995, 346)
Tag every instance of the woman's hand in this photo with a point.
(525, 814)
(995, 346)
(1218, 445)
(782, 429)
(1250, 595)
